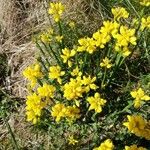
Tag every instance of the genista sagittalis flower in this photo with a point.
(58, 111)
(109, 28)
(59, 38)
(134, 147)
(72, 24)
(96, 102)
(88, 82)
(56, 73)
(145, 23)
(106, 145)
(103, 35)
(145, 3)
(124, 51)
(70, 113)
(72, 141)
(73, 89)
(106, 63)
(138, 125)
(56, 9)
(119, 12)
(46, 36)
(86, 44)
(76, 72)
(125, 37)
(32, 73)
(46, 90)
(34, 106)
(139, 96)
(66, 55)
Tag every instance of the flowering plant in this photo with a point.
(83, 81)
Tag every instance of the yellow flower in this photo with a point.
(31, 116)
(34, 106)
(109, 28)
(56, 73)
(72, 141)
(72, 24)
(50, 31)
(145, 23)
(89, 83)
(145, 2)
(106, 145)
(123, 50)
(101, 39)
(72, 113)
(138, 96)
(86, 44)
(59, 38)
(46, 90)
(76, 72)
(103, 35)
(106, 63)
(119, 12)
(45, 38)
(67, 54)
(126, 36)
(58, 111)
(135, 124)
(73, 90)
(33, 73)
(56, 9)
(134, 147)
(96, 102)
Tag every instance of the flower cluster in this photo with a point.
(34, 107)
(145, 23)
(134, 147)
(46, 36)
(145, 2)
(59, 111)
(119, 12)
(106, 63)
(32, 73)
(36, 102)
(96, 102)
(66, 55)
(56, 9)
(138, 125)
(106, 145)
(55, 73)
(124, 38)
(138, 96)
(76, 87)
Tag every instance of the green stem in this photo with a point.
(120, 112)
(60, 28)
(58, 61)
(102, 84)
(128, 1)
(11, 132)
(38, 45)
(46, 48)
(61, 33)
(42, 63)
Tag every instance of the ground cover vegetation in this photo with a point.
(90, 90)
